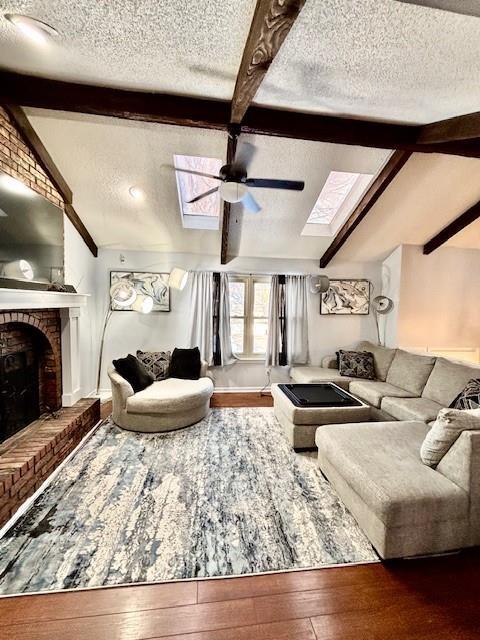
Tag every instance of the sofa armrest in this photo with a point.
(330, 362)
(121, 389)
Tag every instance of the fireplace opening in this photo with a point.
(30, 370)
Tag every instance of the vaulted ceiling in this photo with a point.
(379, 60)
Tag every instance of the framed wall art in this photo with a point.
(346, 298)
(146, 283)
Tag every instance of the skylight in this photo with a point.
(203, 214)
(340, 193)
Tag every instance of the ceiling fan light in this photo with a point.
(233, 191)
(34, 29)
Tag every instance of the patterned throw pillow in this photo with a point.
(356, 364)
(157, 362)
(469, 398)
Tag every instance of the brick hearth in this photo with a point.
(30, 456)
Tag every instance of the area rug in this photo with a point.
(225, 497)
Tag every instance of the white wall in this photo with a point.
(440, 298)
(391, 287)
(81, 272)
(129, 331)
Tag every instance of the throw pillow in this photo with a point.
(356, 364)
(445, 430)
(185, 364)
(156, 362)
(134, 372)
(469, 398)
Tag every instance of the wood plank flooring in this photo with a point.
(424, 599)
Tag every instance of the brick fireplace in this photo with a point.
(42, 415)
(30, 367)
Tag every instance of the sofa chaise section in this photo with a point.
(404, 507)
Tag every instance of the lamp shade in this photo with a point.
(178, 278)
(143, 304)
(19, 270)
(319, 284)
(123, 294)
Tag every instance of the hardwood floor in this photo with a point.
(423, 599)
(426, 599)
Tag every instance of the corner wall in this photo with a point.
(437, 298)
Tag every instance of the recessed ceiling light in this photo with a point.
(136, 193)
(15, 186)
(38, 31)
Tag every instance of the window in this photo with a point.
(205, 213)
(339, 195)
(249, 297)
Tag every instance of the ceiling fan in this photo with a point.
(235, 184)
(466, 7)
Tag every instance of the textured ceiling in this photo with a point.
(112, 155)
(177, 46)
(377, 59)
(429, 192)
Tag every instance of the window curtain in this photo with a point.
(222, 341)
(202, 314)
(297, 319)
(277, 328)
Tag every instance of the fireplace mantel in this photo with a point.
(31, 299)
(70, 305)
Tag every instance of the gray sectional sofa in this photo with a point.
(404, 507)
(408, 386)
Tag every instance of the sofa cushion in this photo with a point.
(381, 462)
(410, 371)
(373, 391)
(171, 395)
(447, 428)
(447, 380)
(157, 362)
(382, 357)
(356, 364)
(411, 408)
(134, 372)
(310, 375)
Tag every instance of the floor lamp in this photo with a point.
(121, 294)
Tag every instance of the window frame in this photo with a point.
(248, 314)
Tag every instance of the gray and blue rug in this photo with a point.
(227, 496)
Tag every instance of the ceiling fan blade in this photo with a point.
(198, 173)
(250, 203)
(202, 195)
(466, 7)
(244, 156)
(266, 183)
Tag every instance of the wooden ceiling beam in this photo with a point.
(460, 128)
(272, 21)
(231, 150)
(46, 162)
(387, 174)
(30, 91)
(452, 229)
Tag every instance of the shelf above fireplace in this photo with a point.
(25, 299)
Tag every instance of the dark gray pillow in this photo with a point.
(469, 398)
(134, 372)
(356, 364)
(157, 362)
